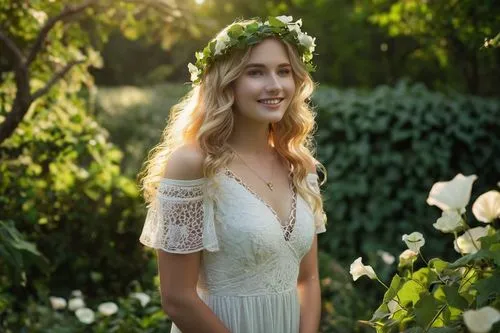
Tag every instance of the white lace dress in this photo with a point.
(250, 260)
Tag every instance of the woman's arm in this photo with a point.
(309, 290)
(179, 272)
(178, 278)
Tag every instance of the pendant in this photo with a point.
(270, 185)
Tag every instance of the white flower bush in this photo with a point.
(85, 315)
(448, 297)
(76, 303)
(57, 303)
(107, 308)
(143, 298)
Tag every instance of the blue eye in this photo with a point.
(254, 72)
(284, 71)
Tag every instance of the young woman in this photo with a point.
(234, 200)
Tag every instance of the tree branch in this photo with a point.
(13, 48)
(59, 75)
(66, 13)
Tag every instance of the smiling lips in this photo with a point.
(271, 101)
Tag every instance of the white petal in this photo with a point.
(414, 241)
(482, 320)
(453, 194)
(469, 242)
(57, 303)
(486, 208)
(358, 270)
(85, 315)
(75, 303)
(142, 297)
(107, 308)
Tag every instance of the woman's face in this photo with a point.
(266, 86)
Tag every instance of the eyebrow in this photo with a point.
(258, 65)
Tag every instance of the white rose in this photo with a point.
(294, 27)
(453, 194)
(285, 19)
(57, 303)
(75, 303)
(386, 257)
(307, 41)
(195, 72)
(469, 241)
(449, 221)
(357, 270)
(407, 256)
(414, 241)
(85, 315)
(142, 297)
(221, 43)
(486, 208)
(107, 308)
(482, 320)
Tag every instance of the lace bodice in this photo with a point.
(247, 250)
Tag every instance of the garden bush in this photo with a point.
(383, 150)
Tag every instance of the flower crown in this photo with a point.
(240, 36)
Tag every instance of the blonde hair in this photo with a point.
(204, 116)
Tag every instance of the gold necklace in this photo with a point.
(269, 184)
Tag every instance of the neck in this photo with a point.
(250, 138)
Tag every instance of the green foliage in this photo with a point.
(40, 317)
(436, 296)
(135, 118)
(17, 255)
(384, 149)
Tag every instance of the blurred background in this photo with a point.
(408, 95)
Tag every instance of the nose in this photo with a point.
(274, 85)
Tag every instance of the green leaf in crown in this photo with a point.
(239, 35)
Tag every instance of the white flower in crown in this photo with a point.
(195, 72)
(221, 43)
(307, 41)
(285, 19)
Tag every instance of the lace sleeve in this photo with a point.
(319, 217)
(181, 218)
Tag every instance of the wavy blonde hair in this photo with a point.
(204, 116)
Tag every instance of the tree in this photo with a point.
(451, 32)
(46, 40)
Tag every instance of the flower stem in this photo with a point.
(435, 317)
(421, 256)
(382, 283)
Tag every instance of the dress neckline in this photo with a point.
(289, 224)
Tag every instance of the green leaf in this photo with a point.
(426, 311)
(274, 22)
(479, 255)
(438, 265)
(487, 288)
(445, 330)
(396, 284)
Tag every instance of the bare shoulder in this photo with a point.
(186, 162)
